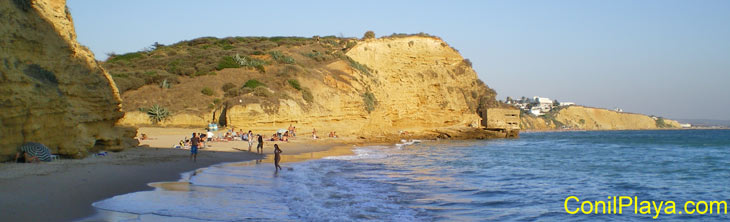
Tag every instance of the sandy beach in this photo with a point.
(65, 189)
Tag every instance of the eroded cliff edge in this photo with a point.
(371, 88)
(52, 91)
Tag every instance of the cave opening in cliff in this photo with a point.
(98, 145)
(222, 120)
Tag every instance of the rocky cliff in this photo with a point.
(52, 90)
(369, 88)
(586, 118)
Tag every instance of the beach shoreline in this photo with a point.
(65, 189)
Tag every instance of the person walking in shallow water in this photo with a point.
(260, 147)
(249, 137)
(194, 143)
(277, 156)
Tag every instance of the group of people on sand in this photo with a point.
(332, 134)
(199, 140)
(284, 137)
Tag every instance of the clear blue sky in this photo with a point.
(661, 57)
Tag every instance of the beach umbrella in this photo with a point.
(37, 150)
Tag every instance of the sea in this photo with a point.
(525, 179)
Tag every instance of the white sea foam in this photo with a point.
(243, 193)
(330, 189)
(368, 152)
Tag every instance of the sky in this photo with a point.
(658, 57)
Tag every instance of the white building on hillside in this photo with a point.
(536, 111)
(536, 105)
(545, 104)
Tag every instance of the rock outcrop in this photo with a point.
(52, 90)
(586, 118)
(384, 87)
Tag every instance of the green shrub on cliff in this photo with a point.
(307, 95)
(370, 102)
(207, 91)
(295, 83)
(369, 35)
(550, 117)
(467, 62)
(230, 93)
(178, 67)
(125, 57)
(356, 65)
(157, 114)
(227, 62)
(228, 86)
(262, 92)
(316, 56)
(252, 84)
(245, 61)
(281, 58)
(661, 124)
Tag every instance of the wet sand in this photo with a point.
(64, 190)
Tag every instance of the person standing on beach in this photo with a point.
(277, 157)
(249, 137)
(194, 143)
(261, 144)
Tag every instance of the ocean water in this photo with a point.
(526, 179)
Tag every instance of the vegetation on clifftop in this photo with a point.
(218, 72)
(276, 63)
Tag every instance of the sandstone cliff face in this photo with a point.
(52, 90)
(421, 82)
(415, 84)
(579, 117)
(529, 122)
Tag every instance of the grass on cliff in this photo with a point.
(239, 70)
(295, 84)
(252, 84)
(183, 65)
(550, 117)
(661, 124)
(204, 56)
(360, 67)
(227, 62)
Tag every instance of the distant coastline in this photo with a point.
(582, 130)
